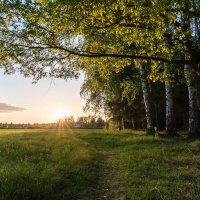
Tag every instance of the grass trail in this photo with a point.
(108, 184)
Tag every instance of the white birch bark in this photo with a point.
(170, 115)
(192, 95)
(147, 102)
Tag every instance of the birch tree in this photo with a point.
(59, 38)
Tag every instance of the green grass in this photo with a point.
(97, 164)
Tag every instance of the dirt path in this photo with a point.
(107, 189)
(108, 182)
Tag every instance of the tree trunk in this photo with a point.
(198, 97)
(133, 123)
(122, 124)
(146, 95)
(170, 126)
(106, 125)
(156, 116)
(193, 109)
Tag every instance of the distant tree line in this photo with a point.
(81, 122)
(64, 123)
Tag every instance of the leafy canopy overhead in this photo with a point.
(58, 38)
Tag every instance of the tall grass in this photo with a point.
(45, 165)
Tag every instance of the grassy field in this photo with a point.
(97, 165)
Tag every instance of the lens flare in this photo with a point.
(58, 114)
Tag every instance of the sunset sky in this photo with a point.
(24, 102)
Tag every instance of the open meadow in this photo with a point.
(100, 100)
(97, 164)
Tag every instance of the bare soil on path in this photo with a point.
(108, 182)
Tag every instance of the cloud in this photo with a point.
(4, 107)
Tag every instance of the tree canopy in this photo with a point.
(60, 38)
(65, 35)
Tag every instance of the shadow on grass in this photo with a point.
(109, 141)
(152, 168)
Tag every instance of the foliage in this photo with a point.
(90, 122)
(115, 94)
(64, 35)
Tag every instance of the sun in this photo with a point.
(58, 114)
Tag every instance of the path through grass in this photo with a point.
(97, 165)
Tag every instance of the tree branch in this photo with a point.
(111, 55)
